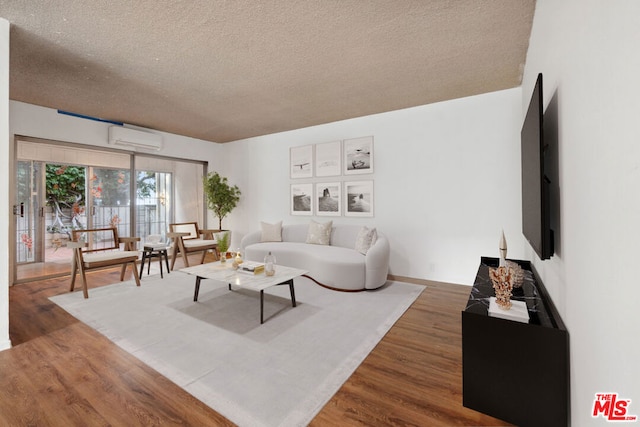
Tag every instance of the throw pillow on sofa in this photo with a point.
(271, 232)
(319, 233)
(366, 238)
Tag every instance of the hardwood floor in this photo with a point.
(62, 372)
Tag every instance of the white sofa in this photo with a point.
(337, 265)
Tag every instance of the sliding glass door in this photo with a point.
(60, 188)
(55, 199)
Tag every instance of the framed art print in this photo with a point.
(358, 155)
(329, 199)
(359, 198)
(301, 199)
(328, 159)
(301, 161)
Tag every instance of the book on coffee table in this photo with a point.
(251, 267)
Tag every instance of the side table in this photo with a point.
(154, 251)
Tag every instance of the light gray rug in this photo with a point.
(280, 373)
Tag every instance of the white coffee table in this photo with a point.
(224, 272)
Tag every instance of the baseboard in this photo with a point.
(5, 345)
(406, 279)
(423, 282)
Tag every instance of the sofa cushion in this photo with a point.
(366, 238)
(319, 233)
(271, 232)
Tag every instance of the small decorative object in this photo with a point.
(238, 259)
(223, 245)
(270, 264)
(502, 280)
(517, 273)
(502, 247)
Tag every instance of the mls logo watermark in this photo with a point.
(612, 408)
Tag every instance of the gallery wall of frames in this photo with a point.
(327, 178)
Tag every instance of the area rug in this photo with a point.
(280, 373)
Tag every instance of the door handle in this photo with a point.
(19, 210)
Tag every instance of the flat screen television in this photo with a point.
(536, 210)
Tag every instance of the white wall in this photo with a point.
(587, 52)
(446, 181)
(5, 161)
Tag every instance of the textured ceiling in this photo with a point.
(223, 70)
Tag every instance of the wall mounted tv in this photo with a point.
(536, 209)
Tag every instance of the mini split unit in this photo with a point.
(135, 139)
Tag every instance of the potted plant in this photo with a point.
(223, 244)
(222, 198)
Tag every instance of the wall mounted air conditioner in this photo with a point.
(136, 139)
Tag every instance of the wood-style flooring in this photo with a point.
(61, 372)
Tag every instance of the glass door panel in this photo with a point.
(109, 199)
(154, 203)
(25, 210)
(46, 217)
(65, 204)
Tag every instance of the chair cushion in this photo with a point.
(108, 256)
(198, 243)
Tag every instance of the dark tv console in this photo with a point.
(518, 372)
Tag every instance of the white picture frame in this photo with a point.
(328, 198)
(358, 196)
(301, 161)
(358, 155)
(328, 158)
(302, 199)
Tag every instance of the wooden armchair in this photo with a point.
(100, 247)
(187, 239)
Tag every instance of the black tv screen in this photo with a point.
(535, 184)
